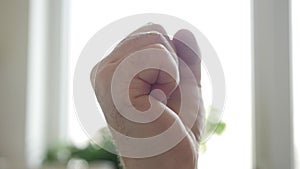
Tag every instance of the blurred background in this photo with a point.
(257, 44)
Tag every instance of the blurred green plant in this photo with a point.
(61, 153)
(213, 125)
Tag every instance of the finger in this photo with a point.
(154, 27)
(93, 75)
(150, 27)
(137, 42)
(147, 35)
(130, 45)
(187, 49)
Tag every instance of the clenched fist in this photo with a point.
(150, 84)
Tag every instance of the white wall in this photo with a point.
(13, 58)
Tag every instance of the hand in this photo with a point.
(145, 92)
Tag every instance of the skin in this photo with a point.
(183, 46)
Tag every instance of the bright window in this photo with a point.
(226, 24)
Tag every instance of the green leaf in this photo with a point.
(220, 128)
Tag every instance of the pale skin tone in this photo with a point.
(183, 46)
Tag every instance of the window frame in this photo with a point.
(272, 85)
(46, 110)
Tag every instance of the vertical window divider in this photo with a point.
(46, 119)
(272, 94)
